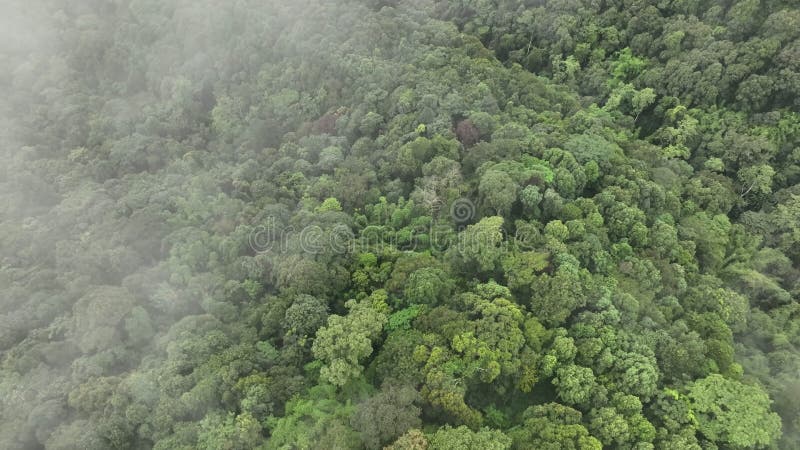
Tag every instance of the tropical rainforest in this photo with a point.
(401, 225)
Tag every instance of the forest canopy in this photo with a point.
(383, 224)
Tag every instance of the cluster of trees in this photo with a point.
(557, 225)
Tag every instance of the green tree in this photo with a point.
(346, 340)
(230, 432)
(552, 427)
(427, 286)
(330, 204)
(480, 245)
(412, 440)
(462, 438)
(498, 191)
(387, 415)
(575, 384)
(318, 419)
(305, 315)
(734, 414)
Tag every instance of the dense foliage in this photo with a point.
(466, 224)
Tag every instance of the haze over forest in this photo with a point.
(403, 225)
